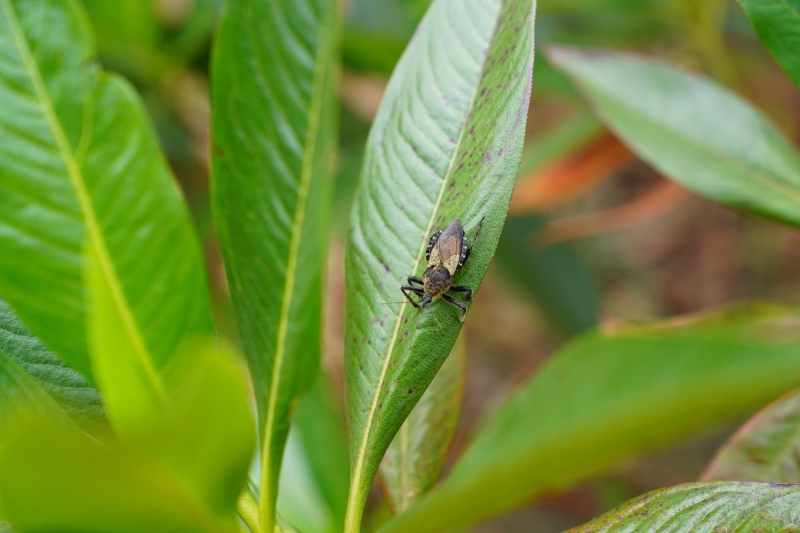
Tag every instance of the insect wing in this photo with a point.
(450, 245)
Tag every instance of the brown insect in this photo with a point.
(446, 254)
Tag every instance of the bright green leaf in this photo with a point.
(766, 448)
(23, 353)
(610, 397)
(183, 473)
(79, 165)
(692, 130)
(705, 508)
(445, 145)
(414, 460)
(778, 25)
(314, 478)
(273, 127)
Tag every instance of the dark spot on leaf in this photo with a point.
(410, 391)
(219, 151)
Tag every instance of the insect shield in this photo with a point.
(446, 254)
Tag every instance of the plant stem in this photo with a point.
(247, 509)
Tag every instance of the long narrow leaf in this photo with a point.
(414, 460)
(79, 165)
(705, 507)
(273, 126)
(445, 145)
(610, 397)
(778, 25)
(24, 353)
(691, 129)
(766, 448)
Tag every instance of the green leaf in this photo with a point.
(414, 460)
(445, 145)
(183, 473)
(22, 353)
(777, 23)
(609, 397)
(766, 448)
(314, 477)
(273, 128)
(692, 130)
(79, 165)
(705, 507)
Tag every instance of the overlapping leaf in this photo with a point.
(273, 125)
(618, 394)
(414, 460)
(445, 144)
(778, 25)
(692, 130)
(79, 165)
(22, 353)
(705, 507)
(766, 448)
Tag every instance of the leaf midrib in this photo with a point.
(352, 519)
(306, 172)
(84, 201)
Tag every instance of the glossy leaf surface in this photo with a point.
(445, 144)
(766, 448)
(777, 23)
(705, 508)
(79, 164)
(22, 353)
(609, 397)
(182, 473)
(691, 129)
(273, 126)
(414, 460)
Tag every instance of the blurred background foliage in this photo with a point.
(594, 235)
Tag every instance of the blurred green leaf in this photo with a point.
(273, 128)
(609, 397)
(766, 448)
(777, 23)
(741, 507)
(691, 129)
(553, 275)
(414, 460)
(79, 165)
(445, 144)
(314, 477)
(183, 473)
(23, 353)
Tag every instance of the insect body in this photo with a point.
(446, 254)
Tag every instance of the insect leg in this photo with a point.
(415, 290)
(463, 288)
(474, 238)
(415, 279)
(458, 304)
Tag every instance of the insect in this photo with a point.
(446, 254)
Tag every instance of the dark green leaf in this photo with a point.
(610, 397)
(273, 127)
(182, 473)
(414, 460)
(445, 145)
(778, 25)
(691, 129)
(79, 165)
(767, 448)
(741, 507)
(27, 354)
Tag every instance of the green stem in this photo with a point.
(247, 509)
